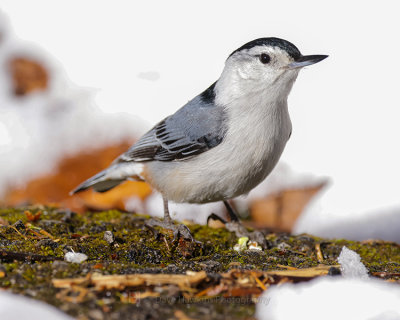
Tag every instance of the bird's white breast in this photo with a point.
(255, 139)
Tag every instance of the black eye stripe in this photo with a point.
(265, 58)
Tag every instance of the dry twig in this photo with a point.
(238, 283)
(320, 256)
(23, 256)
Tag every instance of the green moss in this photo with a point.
(105, 216)
(12, 215)
(136, 249)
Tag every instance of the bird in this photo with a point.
(223, 142)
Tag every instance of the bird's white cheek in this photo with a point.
(249, 72)
(244, 73)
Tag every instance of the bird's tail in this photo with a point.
(111, 177)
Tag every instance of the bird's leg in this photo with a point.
(167, 217)
(168, 223)
(231, 212)
(240, 230)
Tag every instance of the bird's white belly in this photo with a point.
(228, 170)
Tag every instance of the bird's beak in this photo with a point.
(306, 61)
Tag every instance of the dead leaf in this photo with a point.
(306, 273)
(71, 171)
(134, 297)
(212, 291)
(69, 294)
(234, 283)
(242, 292)
(32, 216)
(286, 267)
(100, 282)
(260, 284)
(281, 210)
(28, 75)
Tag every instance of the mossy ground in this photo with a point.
(137, 250)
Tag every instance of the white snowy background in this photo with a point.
(353, 295)
(148, 58)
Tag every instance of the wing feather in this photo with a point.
(193, 129)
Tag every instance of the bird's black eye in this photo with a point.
(265, 58)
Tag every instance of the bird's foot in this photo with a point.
(177, 229)
(241, 231)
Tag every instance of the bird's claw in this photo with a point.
(182, 230)
(177, 230)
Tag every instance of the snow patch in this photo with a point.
(17, 307)
(75, 257)
(321, 219)
(38, 130)
(351, 265)
(331, 298)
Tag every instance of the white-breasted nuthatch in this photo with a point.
(225, 141)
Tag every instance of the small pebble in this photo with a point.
(333, 271)
(75, 257)
(96, 314)
(109, 237)
(253, 245)
(283, 246)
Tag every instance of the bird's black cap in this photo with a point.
(287, 46)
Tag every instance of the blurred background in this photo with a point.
(81, 81)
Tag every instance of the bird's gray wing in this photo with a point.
(195, 128)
